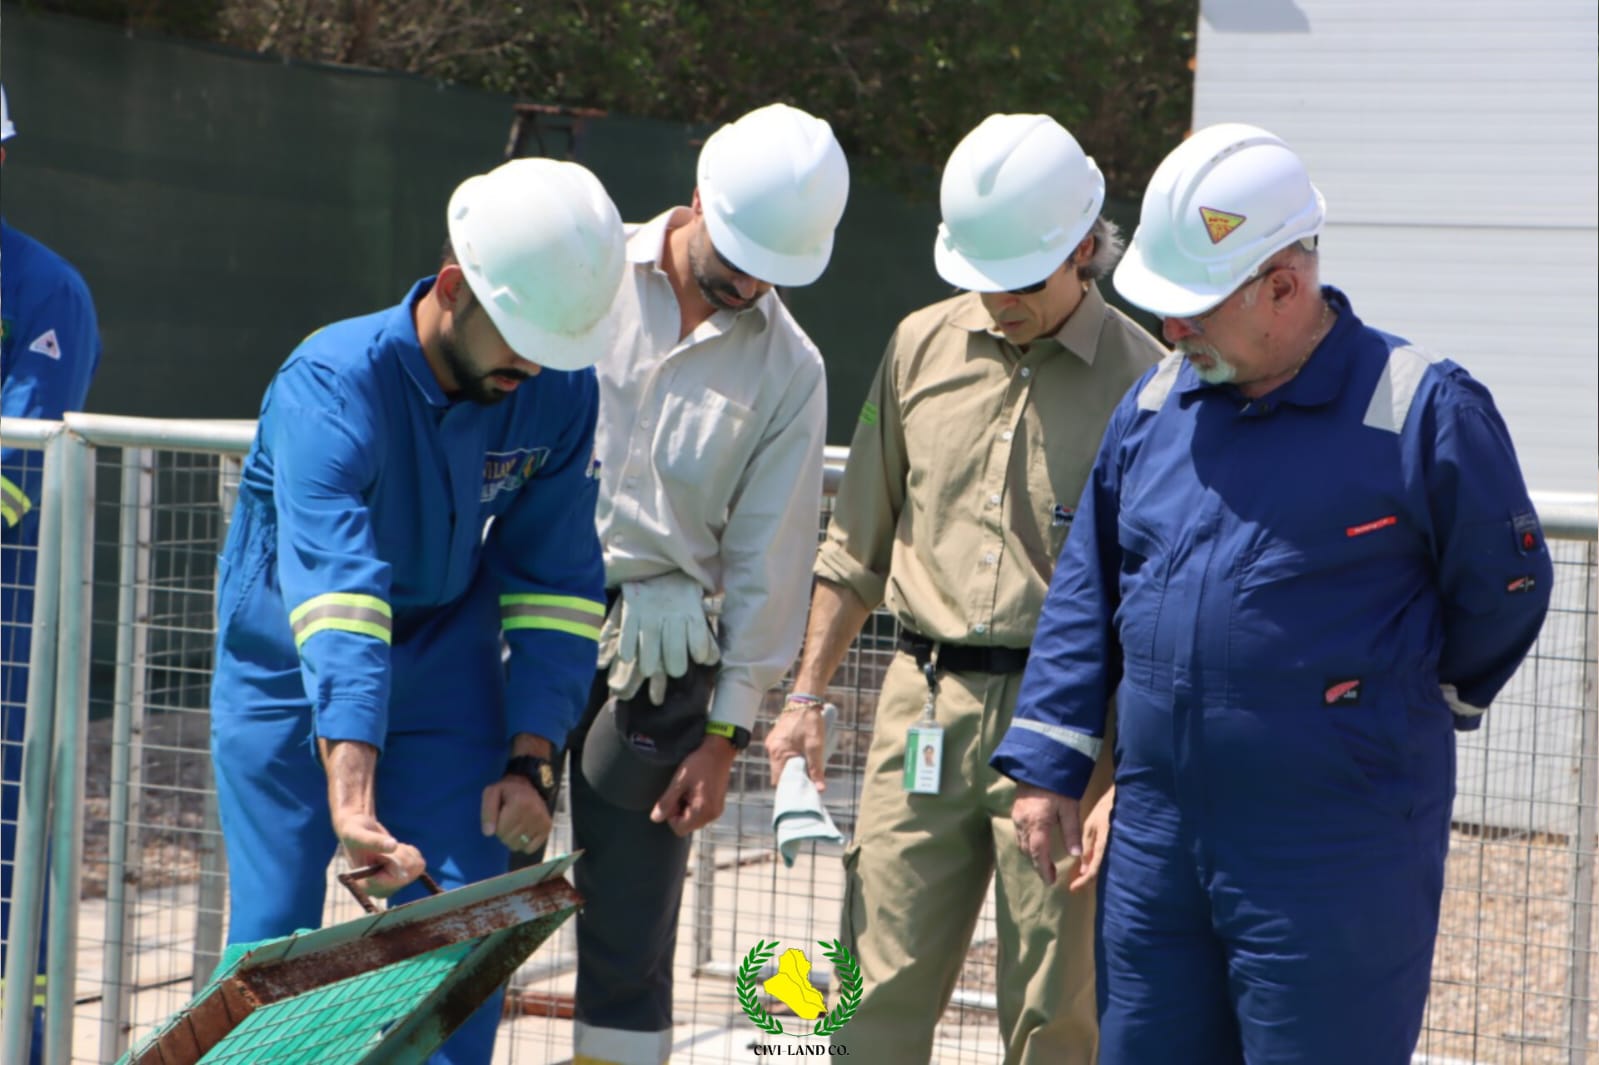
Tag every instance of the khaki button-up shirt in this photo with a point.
(967, 464)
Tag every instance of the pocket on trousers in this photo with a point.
(852, 916)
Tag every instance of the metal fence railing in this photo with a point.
(134, 515)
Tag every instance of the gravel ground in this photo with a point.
(1500, 976)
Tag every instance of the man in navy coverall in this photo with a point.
(1305, 558)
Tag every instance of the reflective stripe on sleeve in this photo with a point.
(14, 502)
(344, 611)
(41, 984)
(562, 613)
(1080, 742)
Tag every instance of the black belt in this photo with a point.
(963, 657)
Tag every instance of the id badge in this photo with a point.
(924, 759)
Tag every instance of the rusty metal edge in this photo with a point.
(275, 970)
(466, 988)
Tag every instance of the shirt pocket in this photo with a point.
(1142, 584)
(701, 448)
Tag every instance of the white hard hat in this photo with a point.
(542, 248)
(1018, 196)
(1216, 209)
(773, 186)
(7, 130)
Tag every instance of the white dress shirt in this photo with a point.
(710, 453)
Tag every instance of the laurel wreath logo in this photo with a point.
(849, 982)
(744, 987)
(849, 978)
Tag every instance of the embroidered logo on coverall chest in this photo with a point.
(506, 471)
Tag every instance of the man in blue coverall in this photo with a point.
(49, 351)
(360, 698)
(1304, 558)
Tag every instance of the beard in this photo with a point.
(1219, 372)
(475, 385)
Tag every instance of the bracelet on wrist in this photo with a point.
(801, 699)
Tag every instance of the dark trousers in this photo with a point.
(631, 879)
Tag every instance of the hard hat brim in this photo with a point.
(996, 275)
(764, 264)
(1141, 286)
(554, 351)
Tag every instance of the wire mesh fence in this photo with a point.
(1516, 971)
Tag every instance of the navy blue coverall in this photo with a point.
(1295, 601)
(358, 598)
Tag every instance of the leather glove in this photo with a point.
(664, 624)
(622, 677)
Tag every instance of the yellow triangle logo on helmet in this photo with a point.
(1219, 223)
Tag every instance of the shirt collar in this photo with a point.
(399, 335)
(1079, 334)
(646, 245)
(1321, 378)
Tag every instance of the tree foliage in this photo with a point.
(900, 80)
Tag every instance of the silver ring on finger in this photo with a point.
(524, 839)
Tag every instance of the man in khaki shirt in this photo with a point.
(972, 449)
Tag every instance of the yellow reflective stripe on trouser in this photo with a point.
(347, 612)
(39, 983)
(14, 502)
(563, 613)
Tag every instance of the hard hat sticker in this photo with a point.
(1219, 223)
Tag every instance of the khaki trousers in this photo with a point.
(916, 875)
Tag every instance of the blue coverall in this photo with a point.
(49, 351)
(358, 598)
(1276, 590)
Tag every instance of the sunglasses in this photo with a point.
(1028, 290)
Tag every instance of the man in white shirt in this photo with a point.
(709, 453)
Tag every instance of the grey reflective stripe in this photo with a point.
(1077, 741)
(585, 618)
(1464, 709)
(341, 616)
(1157, 388)
(1396, 388)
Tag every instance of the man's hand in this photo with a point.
(513, 811)
(1096, 837)
(800, 730)
(698, 790)
(1038, 815)
(367, 842)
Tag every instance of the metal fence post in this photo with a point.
(212, 889)
(1585, 839)
(69, 750)
(127, 732)
(33, 828)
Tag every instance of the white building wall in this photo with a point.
(1457, 143)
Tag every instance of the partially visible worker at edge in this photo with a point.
(1305, 557)
(360, 699)
(49, 351)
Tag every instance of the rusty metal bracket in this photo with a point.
(352, 881)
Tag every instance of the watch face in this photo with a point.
(546, 776)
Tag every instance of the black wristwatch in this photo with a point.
(537, 772)
(738, 737)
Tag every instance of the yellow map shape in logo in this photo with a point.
(792, 985)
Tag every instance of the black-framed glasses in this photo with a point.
(1196, 322)
(1028, 290)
